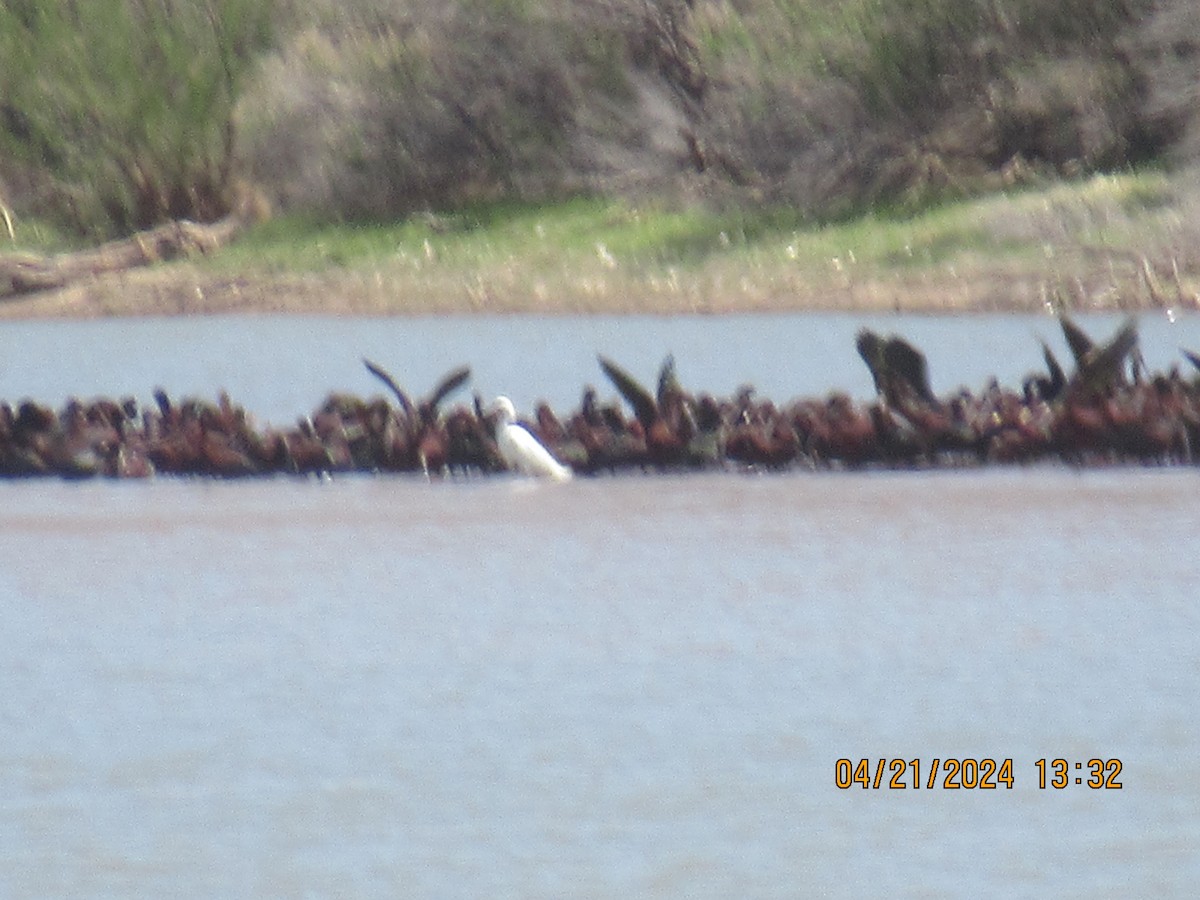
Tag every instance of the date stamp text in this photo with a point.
(983, 774)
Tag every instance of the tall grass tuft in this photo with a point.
(125, 108)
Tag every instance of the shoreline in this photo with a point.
(186, 289)
(1104, 244)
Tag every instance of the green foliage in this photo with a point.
(578, 235)
(127, 105)
(606, 255)
(917, 57)
(124, 111)
(870, 104)
(913, 50)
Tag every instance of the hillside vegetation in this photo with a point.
(116, 115)
(373, 109)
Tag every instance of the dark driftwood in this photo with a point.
(29, 273)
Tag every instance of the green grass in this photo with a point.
(795, 36)
(586, 232)
(597, 254)
(611, 239)
(580, 232)
(35, 236)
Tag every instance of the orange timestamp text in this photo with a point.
(986, 774)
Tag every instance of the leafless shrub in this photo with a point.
(400, 106)
(373, 108)
(1168, 50)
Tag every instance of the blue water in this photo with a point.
(622, 686)
(282, 367)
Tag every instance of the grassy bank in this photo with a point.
(1106, 242)
(763, 154)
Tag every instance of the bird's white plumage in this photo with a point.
(522, 451)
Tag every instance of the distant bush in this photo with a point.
(475, 105)
(1167, 49)
(374, 108)
(124, 108)
(886, 101)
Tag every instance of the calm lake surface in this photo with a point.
(634, 686)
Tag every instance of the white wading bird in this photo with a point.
(522, 451)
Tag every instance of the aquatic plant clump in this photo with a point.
(1107, 410)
